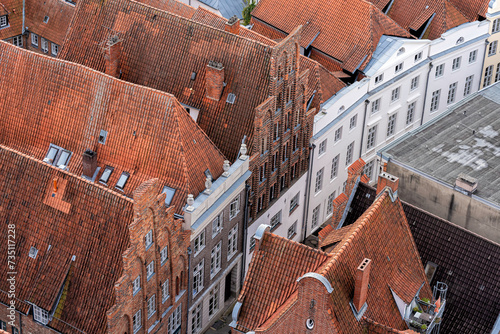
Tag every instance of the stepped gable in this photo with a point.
(347, 31)
(149, 134)
(79, 236)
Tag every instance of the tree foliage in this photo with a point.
(247, 12)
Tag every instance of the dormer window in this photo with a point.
(34, 39)
(40, 315)
(45, 45)
(106, 174)
(379, 78)
(398, 68)
(3, 21)
(122, 180)
(55, 49)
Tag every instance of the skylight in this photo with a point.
(45, 19)
(106, 174)
(51, 155)
(122, 180)
(62, 162)
(33, 252)
(102, 137)
(58, 156)
(170, 194)
(231, 98)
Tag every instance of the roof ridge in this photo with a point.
(298, 244)
(111, 191)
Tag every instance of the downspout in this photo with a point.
(308, 187)
(189, 251)
(367, 102)
(484, 59)
(24, 5)
(425, 93)
(245, 234)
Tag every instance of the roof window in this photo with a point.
(231, 98)
(170, 194)
(193, 75)
(33, 252)
(45, 19)
(102, 137)
(122, 180)
(106, 174)
(3, 21)
(58, 156)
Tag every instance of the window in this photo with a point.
(18, 41)
(151, 306)
(3, 325)
(496, 26)
(150, 270)
(283, 182)
(148, 239)
(213, 302)
(165, 291)
(122, 180)
(217, 225)
(272, 191)
(348, 156)
(3, 21)
(33, 252)
(497, 76)
(435, 100)
(329, 204)
(292, 230)
(492, 50)
(285, 151)
(322, 147)
(276, 134)
(319, 180)
(231, 98)
(232, 242)
(106, 174)
(262, 172)
(103, 134)
(472, 56)
(410, 114)
(198, 277)
(487, 75)
(372, 133)
(430, 270)
(136, 321)
(368, 170)
(398, 68)
(276, 220)
(375, 106)
(40, 315)
(15, 330)
(175, 320)
(414, 83)
(45, 19)
(456, 63)
(295, 142)
(264, 145)
(439, 71)
(418, 56)
(379, 78)
(45, 45)
(315, 216)
(294, 202)
(170, 192)
(395, 94)
(164, 254)
(58, 156)
(468, 85)
(391, 125)
(196, 319)
(252, 242)
(34, 39)
(338, 134)
(234, 207)
(276, 158)
(452, 93)
(54, 49)
(136, 284)
(215, 259)
(352, 122)
(335, 167)
(260, 202)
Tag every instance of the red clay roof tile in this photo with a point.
(14, 9)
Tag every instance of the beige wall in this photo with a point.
(447, 203)
(492, 15)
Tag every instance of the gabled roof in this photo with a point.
(472, 9)
(83, 246)
(468, 263)
(348, 30)
(149, 134)
(396, 266)
(14, 10)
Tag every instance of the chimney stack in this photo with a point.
(233, 25)
(387, 180)
(89, 162)
(214, 80)
(112, 56)
(466, 183)
(361, 284)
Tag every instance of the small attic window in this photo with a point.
(460, 40)
(3, 21)
(401, 51)
(207, 173)
(33, 252)
(122, 180)
(341, 109)
(45, 19)
(170, 194)
(310, 323)
(102, 137)
(231, 98)
(193, 75)
(106, 174)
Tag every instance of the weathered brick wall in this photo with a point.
(25, 324)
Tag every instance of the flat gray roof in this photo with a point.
(465, 139)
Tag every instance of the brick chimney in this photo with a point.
(112, 55)
(233, 25)
(89, 162)
(361, 284)
(387, 180)
(354, 171)
(214, 80)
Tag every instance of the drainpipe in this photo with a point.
(189, 251)
(367, 102)
(425, 93)
(23, 16)
(245, 234)
(484, 59)
(307, 193)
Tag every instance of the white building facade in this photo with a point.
(407, 83)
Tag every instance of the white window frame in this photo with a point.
(452, 93)
(492, 48)
(468, 85)
(4, 21)
(164, 255)
(368, 169)
(391, 125)
(217, 224)
(472, 56)
(275, 220)
(329, 204)
(165, 291)
(497, 75)
(353, 121)
(136, 285)
(395, 94)
(335, 167)
(488, 73)
(371, 138)
(18, 41)
(34, 39)
(338, 134)
(252, 243)
(376, 106)
(45, 45)
(410, 113)
(436, 96)
(198, 275)
(414, 83)
(234, 207)
(398, 68)
(215, 259)
(232, 242)
(322, 148)
(40, 315)
(199, 243)
(54, 48)
(175, 320)
(292, 230)
(456, 63)
(294, 202)
(196, 319)
(318, 185)
(213, 302)
(137, 321)
(439, 71)
(418, 56)
(151, 306)
(150, 270)
(349, 154)
(495, 26)
(315, 216)
(379, 78)
(148, 239)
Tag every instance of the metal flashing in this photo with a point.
(320, 278)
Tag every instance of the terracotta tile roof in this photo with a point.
(472, 8)
(468, 263)
(94, 232)
(331, 64)
(349, 31)
(272, 277)
(334, 236)
(149, 134)
(267, 30)
(14, 9)
(59, 15)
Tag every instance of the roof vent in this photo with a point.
(33, 252)
(231, 98)
(466, 184)
(45, 19)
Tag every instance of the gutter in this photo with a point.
(363, 129)
(425, 93)
(486, 42)
(308, 191)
